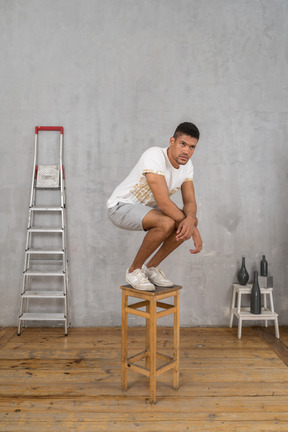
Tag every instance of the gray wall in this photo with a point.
(119, 76)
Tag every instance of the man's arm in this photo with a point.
(160, 191)
(190, 210)
(186, 220)
(187, 226)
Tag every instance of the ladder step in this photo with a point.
(46, 229)
(48, 187)
(45, 208)
(45, 251)
(44, 273)
(29, 316)
(43, 294)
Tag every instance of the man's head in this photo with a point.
(183, 144)
(187, 128)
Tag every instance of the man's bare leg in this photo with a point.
(160, 227)
(169, 245)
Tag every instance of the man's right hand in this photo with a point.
(197, 242)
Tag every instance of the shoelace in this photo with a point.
(161, 272)
(140, 273)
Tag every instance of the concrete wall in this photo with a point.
(119, 76)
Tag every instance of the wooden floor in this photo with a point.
(49, 382)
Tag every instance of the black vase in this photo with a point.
(243, 275)
(255, 300)
(263, 266)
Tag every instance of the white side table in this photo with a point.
(243, 313)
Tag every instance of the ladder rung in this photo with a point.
(47, 187)
(45, 251)
(44, 294)
(29, 316)
(45, 208)
(44, 273)
(45, 229)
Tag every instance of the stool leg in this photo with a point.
(152, 338)
(271, 301)
(232, 306)
(239, 328)
(265, 307)
(147, 339)
(277, 334)
(124, 342)
(176, 341)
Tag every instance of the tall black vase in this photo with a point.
(263, 266)
(255, 299)
(243, 275)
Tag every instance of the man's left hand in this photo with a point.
(197, 242)
(186, 229)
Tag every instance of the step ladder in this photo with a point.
(44, 295)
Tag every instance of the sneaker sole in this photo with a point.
(162, 286)
(141, 289)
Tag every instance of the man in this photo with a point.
(142, 202)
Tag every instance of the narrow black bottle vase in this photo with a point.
(255, 299)
(263, 266)
(243, 275)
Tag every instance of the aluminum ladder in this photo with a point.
(44, 294)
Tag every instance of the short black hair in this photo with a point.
(187, 128)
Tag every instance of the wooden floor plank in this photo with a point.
(189, 360)
(177, 408)
(6, 334)
(277, 345)
(52, 382)
(150, 426)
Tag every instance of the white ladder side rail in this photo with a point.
(26, 280)
(30, 215)
(64, 236)
(32, 195)
(61, 171)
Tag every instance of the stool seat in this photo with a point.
(150, 301)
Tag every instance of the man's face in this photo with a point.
(181, 149)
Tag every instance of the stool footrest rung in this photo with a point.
(164, 357)
(165, 367)
(137, 357)
(140, 369)
(131, 363)
(139, 304)
(164, 305)
(169, 311)
(132, 311)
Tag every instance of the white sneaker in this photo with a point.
(138, 280)
(157, 277)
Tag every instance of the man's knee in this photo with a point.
(157, 220)
(167, 224)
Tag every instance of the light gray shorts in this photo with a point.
(128, 216)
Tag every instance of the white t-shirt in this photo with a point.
(135, 189)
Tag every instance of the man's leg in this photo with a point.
(169, 245)
(160, 227)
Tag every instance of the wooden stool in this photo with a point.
(151, 301)
(243, 313)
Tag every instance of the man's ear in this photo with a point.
(172, 140)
